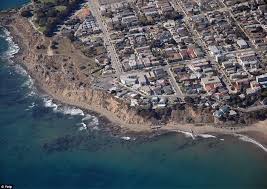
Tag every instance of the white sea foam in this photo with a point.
(92, 120)
(188, 134)
(29, 83)
(222, 139)
(13, 48)
(206, 136)
(126, 138)
(87, 119)
(20, 70)
(251, 140)
(193, 136)
(95, 121)
(32, 105)
(50, 104)
(71, 111)
(83, 126)
(9, 53)
(96, 128)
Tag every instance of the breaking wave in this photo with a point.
(126, 138)
(59, 108)
(71, 111)
(192, 135)
(13, 48)
(206, 136)
(29, 83)
(93, 120)
(87, 120)
(31, 106)
(8, 54)
(50, 104)
(82, 127)
(251, 140)
(20, 70)
(188, 134)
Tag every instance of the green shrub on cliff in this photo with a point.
(50, 13)
(26, 13)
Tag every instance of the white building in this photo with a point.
(262, 80)
(242, 43)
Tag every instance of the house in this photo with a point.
(248, 61)
(242, 44)
(129, 20)
(160, 73)
(129, 79)
(143, 80)
(163, 100)
(227, 64)
(191, 52)
(151, 76)
(184, 54)
(262, 80)
(254, 85)
(145, 89)
(168, 90)
(211, 83)
(214, 50)
(134, 102)
(222, 112)
(241, 83)
(174, 57)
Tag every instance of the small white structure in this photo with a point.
(128, 79)
(214, 50)
(242, 43)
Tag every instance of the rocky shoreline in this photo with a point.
(50, 78)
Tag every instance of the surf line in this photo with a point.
(251, 140)
(194, 135)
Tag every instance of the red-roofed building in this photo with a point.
(184, 54)
(211, 83)
(192, 53)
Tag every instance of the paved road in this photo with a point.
(178, 92)
(95, 8)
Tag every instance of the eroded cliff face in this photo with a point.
(65, 89)
(104, 102)
(59, 76)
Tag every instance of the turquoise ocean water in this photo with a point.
(43, 144)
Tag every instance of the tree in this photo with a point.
(264, 94)
(26, 13)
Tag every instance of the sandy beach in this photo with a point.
(257, 131)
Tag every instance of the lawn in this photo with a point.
(61, 8)
(47, 1)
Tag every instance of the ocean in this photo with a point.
(45, 144)
(7, 4)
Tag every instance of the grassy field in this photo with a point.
(47, 1)
(42, 29)
(61, 8)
